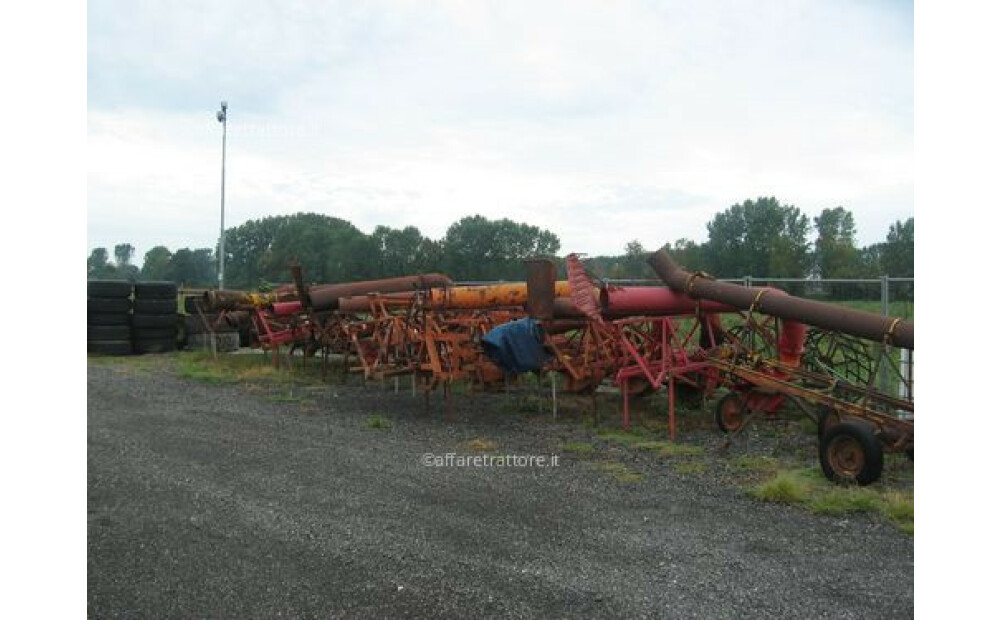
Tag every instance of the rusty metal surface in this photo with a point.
(327, 296)
(866, 325)
(653, 301)
(541, 288)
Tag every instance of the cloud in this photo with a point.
(603, 122)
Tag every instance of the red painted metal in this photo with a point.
(652, 301)
(286, 308)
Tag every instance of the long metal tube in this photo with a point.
(652, 301)
(326, 296)
(818, 314)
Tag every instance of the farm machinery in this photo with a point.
(768, 349)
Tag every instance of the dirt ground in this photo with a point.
(237, 500)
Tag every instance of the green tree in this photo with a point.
(762, 238)
(98, 267)
(835, 254)
(156, 264)
(247, 246)
(194, 268)
(897, 253)
(476, 248)
(123, 254)
(398, 250)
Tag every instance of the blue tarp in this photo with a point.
(516, 346)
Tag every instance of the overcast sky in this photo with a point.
(603, 122)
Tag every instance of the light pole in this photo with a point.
(221, 116)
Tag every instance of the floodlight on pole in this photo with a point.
(221, 116)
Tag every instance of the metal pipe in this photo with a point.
(326, 296)
(826, 316)
(652, 301)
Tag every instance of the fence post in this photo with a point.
(883, 378)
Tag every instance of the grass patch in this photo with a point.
(756, 464)
(378, 422)
(621, 436)
(480, 445)
(199, 369)
(690, 468)
(578, 447)
(789, 487)
(621, 472)
(808, 487)
(842, 500)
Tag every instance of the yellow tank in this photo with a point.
(486, 296)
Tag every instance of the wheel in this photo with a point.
(119, 305)
(154, 320)
(108, 318)
(850, 453)
(110, 347)
(155, 306)
(155, 290)
(156, 346)
(109, 288)
(729, 412)
(108, 332)
(825, 418)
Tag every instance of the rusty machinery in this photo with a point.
(828, 375)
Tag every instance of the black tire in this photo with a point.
(154, 333)
(724, 416)
(108, 332)
(156, 346)
(851, 454)
(96, 318)
(154, 320)
(155, 290)
(118, 305)
(114, 289)
(825, 418)
(110, 347)
(155, 306)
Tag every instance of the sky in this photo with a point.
(604, 122)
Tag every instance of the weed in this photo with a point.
(788, 487)
(621, 472)
(690, 468)
(378, 422)
(672, 449)
(578, 447)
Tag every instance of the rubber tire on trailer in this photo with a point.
(155, 333)
(165, 345)
(110, 347)
(862, 464)
(108, 318)
(723, 412)
(115, 289)
(112, 305)
(155, 306)
(155, 290)
(191, 304)
(108, 332)
(825, 418)
(154, 320)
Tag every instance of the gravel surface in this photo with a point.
(234, 501)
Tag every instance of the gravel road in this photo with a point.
(223, 501)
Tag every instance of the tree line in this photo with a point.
(760, 238)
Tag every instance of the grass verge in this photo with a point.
(808, 488)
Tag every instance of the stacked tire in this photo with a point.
(154, 317)
(109, 317)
